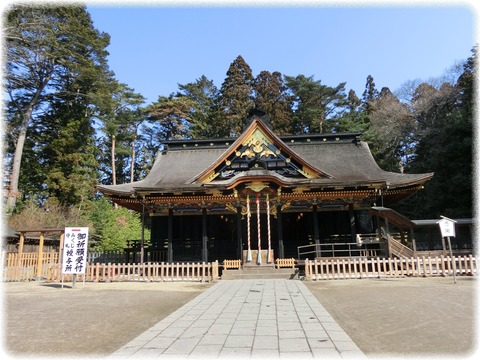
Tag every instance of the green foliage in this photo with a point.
(110, 228)
(85, 127)
(113, 227)
(56, 71)
(236, 100)
(314, 103)
(271, 97)
(121, 117)
(445, 144)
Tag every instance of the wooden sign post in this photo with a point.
(447, 228)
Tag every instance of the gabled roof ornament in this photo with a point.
(258, 148)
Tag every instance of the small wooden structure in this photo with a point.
(32, 264)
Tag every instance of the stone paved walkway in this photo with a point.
(249, 319)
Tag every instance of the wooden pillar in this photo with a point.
(170, 236)
(204, 236)
(316, 237)
(142, 241)
(60, 248)
(387, 233)
(353, 227)
(40, 255)
(239, 232)
(281, 251)
(20, 249)
(414, 243)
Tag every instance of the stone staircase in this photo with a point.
(259, 272)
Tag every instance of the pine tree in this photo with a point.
(314, 103)
(69, 152)
(205, 118)
(46, 46)
(370, 94)
(120, 116)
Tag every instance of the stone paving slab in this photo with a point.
(248, 319)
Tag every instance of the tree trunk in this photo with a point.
(132, 165)
(114, 175)
(17, 160)
(13, 190)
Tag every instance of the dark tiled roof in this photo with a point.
(352, 161)
(345, 159)
(345, 162)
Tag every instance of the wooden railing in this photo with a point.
(281, 263)
(232, 264)
(398, 249)
(358, 268)
(370, 249)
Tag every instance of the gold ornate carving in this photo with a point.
(257, 186)
(286, 205)
(257, 143)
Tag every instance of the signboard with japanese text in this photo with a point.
(447, 227)
(75, 250)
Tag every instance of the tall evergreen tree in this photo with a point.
(45, 47)
(236, 93)
(370, 94)
(120, 119)
(205, 118)
(272, 98)
(314, 103)
(353, 119)
(174, 114)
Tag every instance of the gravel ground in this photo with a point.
(385, 317)
(405, 317)
(88, 320)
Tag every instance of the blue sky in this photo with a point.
(155, 47)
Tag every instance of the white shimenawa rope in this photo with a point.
(249, 252)
(259, 256)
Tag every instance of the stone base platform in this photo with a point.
(259, 272)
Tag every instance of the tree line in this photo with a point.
(70, 124)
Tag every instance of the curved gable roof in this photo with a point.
(325, 160)
(259, 135)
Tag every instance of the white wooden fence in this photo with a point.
(359, 268)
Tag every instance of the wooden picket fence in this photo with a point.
(318, 269)
(26, 269)
(200, 271)
(359, 268)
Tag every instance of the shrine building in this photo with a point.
(220, 199)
